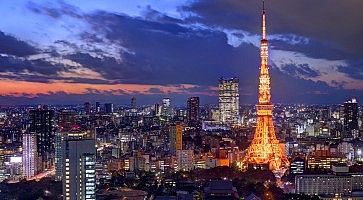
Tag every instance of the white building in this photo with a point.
(29, 155)
(229, 100)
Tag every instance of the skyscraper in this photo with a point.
(108, 108)
(350, 115)
(58, 162)
(29, 155)
(229, 100)
(176, 138)
(66, 121)
(98, 107)
(79, 161)
(87, 108)
(133, 103)
(193, 111)
(42, 125)
(265, 150)
(166, 110)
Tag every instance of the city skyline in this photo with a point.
(166, 100)
(70, 52)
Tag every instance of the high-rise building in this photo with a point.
(157, 110)
(79, 161)
(108, 108)
(133, 103)
(29, 155)
(229, 100)
(87, 108)
(350, 115)
(265, 150)
(185, 159)
(166, 111)
(43, 126)
(193, 111)
(176, 138)
(58, 162)
(98, 107)
(66, 119)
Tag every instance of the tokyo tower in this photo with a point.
(265, 149)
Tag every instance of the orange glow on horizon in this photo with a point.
(34, 89)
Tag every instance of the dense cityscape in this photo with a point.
(128, 150)
(167, 151)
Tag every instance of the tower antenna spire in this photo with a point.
(263, 20)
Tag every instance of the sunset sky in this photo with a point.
(76, 51)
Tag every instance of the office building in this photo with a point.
(166, 110)
(297, 166)
(133, 103)
(350, 121)
(29, 155)
(193, 111)
(108, 108)
(43, 126)
(98, 107)
(87, 108)
(229, 100)
(58, 161)
(79, 161)
(340, 183)
(185, 159)
(176, 138)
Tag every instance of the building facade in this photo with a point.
(176, 138)
(43, 126)
(79, 174)
(350, 119)
(185, 160)
(229, 100)
(193, 111)
(29, 155)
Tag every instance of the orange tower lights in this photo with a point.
(265, 149)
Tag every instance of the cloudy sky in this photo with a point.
(76, 51)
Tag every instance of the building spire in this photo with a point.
(263, 21)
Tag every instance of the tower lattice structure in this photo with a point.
(265, 148)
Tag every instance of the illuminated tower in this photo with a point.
(265, 149)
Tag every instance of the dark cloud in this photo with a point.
(334, 23)
(167, 53)
(55, 10)
(157, 49)
(34, 70)
(39, 70)
(302, 70)
(353, 70)
(154, 15)
(13, 46)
